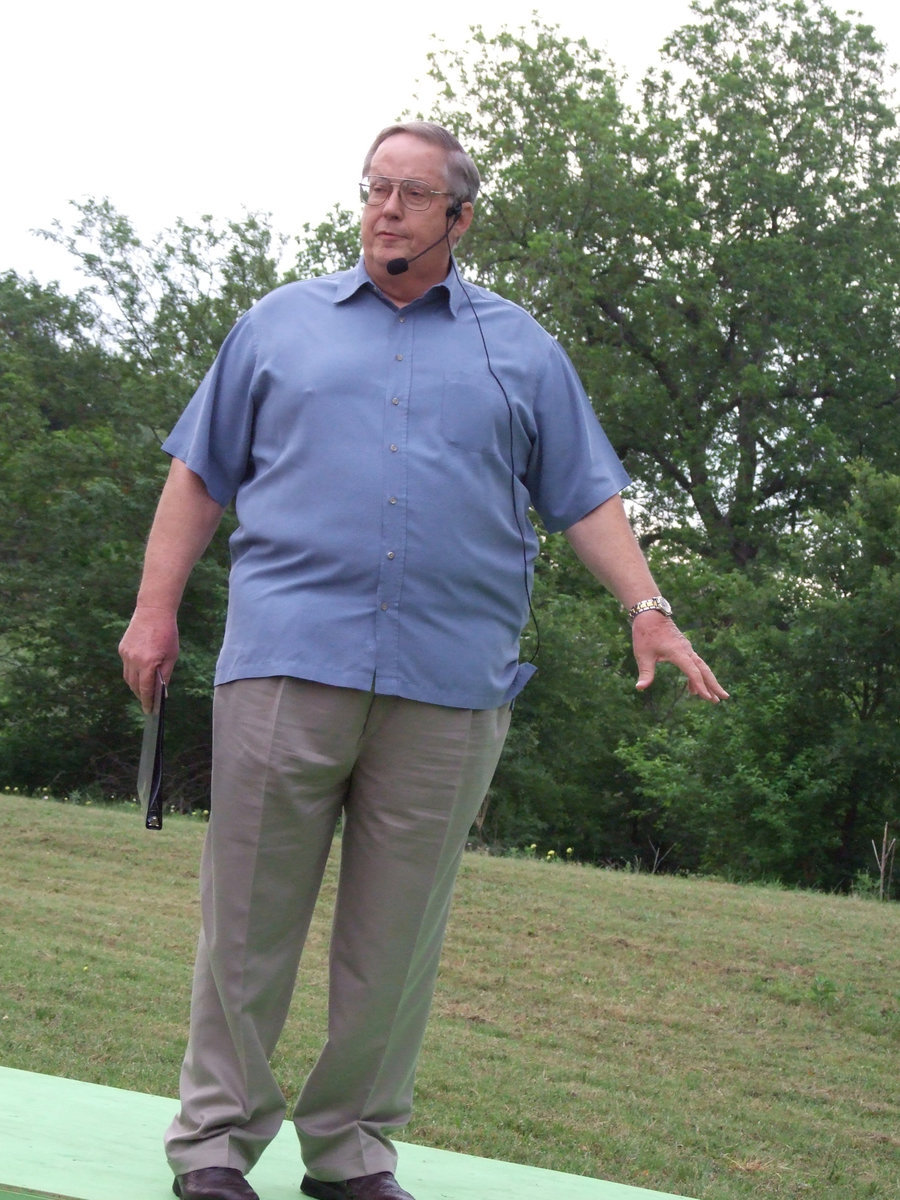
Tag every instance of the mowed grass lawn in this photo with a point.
(683, 1035)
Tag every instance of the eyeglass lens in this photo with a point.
(413, 193)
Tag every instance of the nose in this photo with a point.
(393, 205)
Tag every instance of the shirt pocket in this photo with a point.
(474, 414)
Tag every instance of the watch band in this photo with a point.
(659, 603)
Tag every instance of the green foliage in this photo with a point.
(332, 245)
(722, 264)
(559, 783)
(164, 308)
(799, 772)
(92, 385)
(62, 480)
(722, 261)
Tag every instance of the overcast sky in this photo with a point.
(182, 107)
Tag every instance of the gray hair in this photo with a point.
(463, 180)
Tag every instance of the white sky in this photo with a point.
(183, 107)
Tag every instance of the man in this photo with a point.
(382, 432)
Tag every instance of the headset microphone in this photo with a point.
(398, 266)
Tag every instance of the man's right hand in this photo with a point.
(186, 518)
(150, 644)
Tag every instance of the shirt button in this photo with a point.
(391, 554)
(403, 320)
(384, 608)
(399, 358)
(396, 400)
(393, 449)
(393, 500)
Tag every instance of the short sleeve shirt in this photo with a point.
(383, 463)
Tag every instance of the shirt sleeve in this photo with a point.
(214, 433)
(572, 468)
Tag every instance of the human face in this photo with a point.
(392, 231)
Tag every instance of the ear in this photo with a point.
(463, 222)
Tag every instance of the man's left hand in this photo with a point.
(656, 638)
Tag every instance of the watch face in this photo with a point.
(655, 603)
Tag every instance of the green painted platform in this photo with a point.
(79, 1141)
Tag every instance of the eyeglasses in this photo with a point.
(375, 190)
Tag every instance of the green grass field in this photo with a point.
(683, 1035)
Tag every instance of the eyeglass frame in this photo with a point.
(397, 184)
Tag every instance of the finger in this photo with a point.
(135, 678)
(717, 692)
(704, 684)
(147, 690)
(646, 664)
(132, 677)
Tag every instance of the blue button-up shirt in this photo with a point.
(382, 463)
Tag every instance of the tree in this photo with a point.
(91, 386)
(721, 260)
(796, 777)
(68, 488)
(722, 265)
(560, 783)
(165, 307)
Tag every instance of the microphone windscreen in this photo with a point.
(397, 266)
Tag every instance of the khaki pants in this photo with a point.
(289, 757)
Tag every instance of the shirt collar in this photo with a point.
(357, 278)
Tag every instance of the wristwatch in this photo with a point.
(660, 603)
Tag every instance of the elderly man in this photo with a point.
(382, 432)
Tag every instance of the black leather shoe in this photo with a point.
(382, 1186)
(213, 1183)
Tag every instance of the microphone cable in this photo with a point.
(399, 266)
(512, 460)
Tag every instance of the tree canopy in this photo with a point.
(722, 263)
(721, 258)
